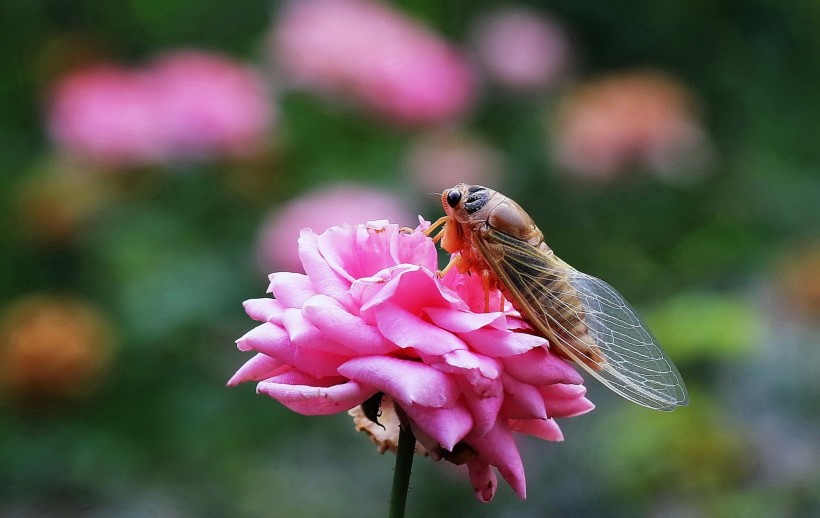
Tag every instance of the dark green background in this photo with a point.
(172, 259)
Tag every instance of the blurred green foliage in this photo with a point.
(170, 260)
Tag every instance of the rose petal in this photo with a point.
(257, 368)
(414, 289)
(322, 276)
(376, 246)
(269, 339)
(482, 372)
(498, 448)
(264, 310)
(330, 317)
(540, 367)
(416, 248)
(291, 289)
(546, 429)
(407, 330)
(446, 425)
(309, 396)
(483, 479)
(307, 335)
(515, 323)
(483, 408)
(463, 321)
(522, 401)
(564, 400)
(500, 344)
(408, 382)
(338, 247)
(273, 341)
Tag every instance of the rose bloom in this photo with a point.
(447, 157)
(520, 49)
(321, 209)
(642, 119)
(371, 316)
(185, 105)
(365, 51)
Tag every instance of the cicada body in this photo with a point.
(585, 318)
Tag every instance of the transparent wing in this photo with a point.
(588, 320)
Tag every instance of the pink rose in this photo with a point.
(185, 105)
(367, 52)
(370, 315)
(522, 50)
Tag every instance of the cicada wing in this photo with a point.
(550, 293)
(635, 366)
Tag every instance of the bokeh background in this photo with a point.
(159, 157)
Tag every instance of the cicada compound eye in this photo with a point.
(453, 197)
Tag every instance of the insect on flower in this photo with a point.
(584, 317)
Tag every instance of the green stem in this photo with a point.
(401, 474)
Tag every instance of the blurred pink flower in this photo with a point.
(643, 119)
(184, 105)
(521, 49)
(448, 157)
(370, 316)
(319, 210)
(372, 54)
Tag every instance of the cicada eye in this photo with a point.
(453, 197)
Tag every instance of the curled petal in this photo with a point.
(546, 429)
(522, 401)
(376, 254)
(322, 276)
(330, 317)
(307, 335)
(257, 368)
(566, 400)
(408, 382)
(416, 248)
(447, 426)
(483, 479)
(540, 367)
(338, 248)
(499, 344)
(264, 310)
(273, 341)
(414, 289)
(407, 330)
(482, 372)
(463, 321)
(291, 289)
(515, 323)
(484, 408)
(269, 339)
(310, 396)
(498, 448)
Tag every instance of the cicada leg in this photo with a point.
(485, 283)
(457, 261)
(439, 222)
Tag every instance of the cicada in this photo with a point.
(586, 320)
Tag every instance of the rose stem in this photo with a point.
(401, 473)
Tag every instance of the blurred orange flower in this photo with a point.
(51, 349)
(639, 119)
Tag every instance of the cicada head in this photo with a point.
(469, 203)
(476, 205)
